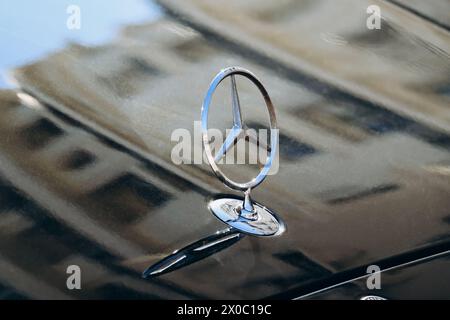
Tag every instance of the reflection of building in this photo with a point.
(85, 200)
(103, 187)
(404, 66)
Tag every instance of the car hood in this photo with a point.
(87, 166)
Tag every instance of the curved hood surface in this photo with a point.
(87, 171)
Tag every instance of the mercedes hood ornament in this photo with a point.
(244, 215)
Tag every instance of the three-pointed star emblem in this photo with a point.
(239, 129)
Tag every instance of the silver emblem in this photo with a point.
(245, 215)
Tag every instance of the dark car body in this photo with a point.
(86, 175)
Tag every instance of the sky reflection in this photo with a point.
(31, 29)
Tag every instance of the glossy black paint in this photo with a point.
(87, 179)
(418, 280)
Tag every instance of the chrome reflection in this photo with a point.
(246, 216)
(372, 297)
(194, 252)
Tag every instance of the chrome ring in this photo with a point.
(273, 127)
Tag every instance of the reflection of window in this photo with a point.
(446, 220)
(330, 122)
(380, 189)
(370, 119)
(290, 148)
(137, 66)
(283, 11)
(132, 70)
(9, 199)
(40, 245)
(77, 160)
(128, 198)
(194, 50)
(354, 121)
(40, 133)
(444, 90)
(430, 135)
